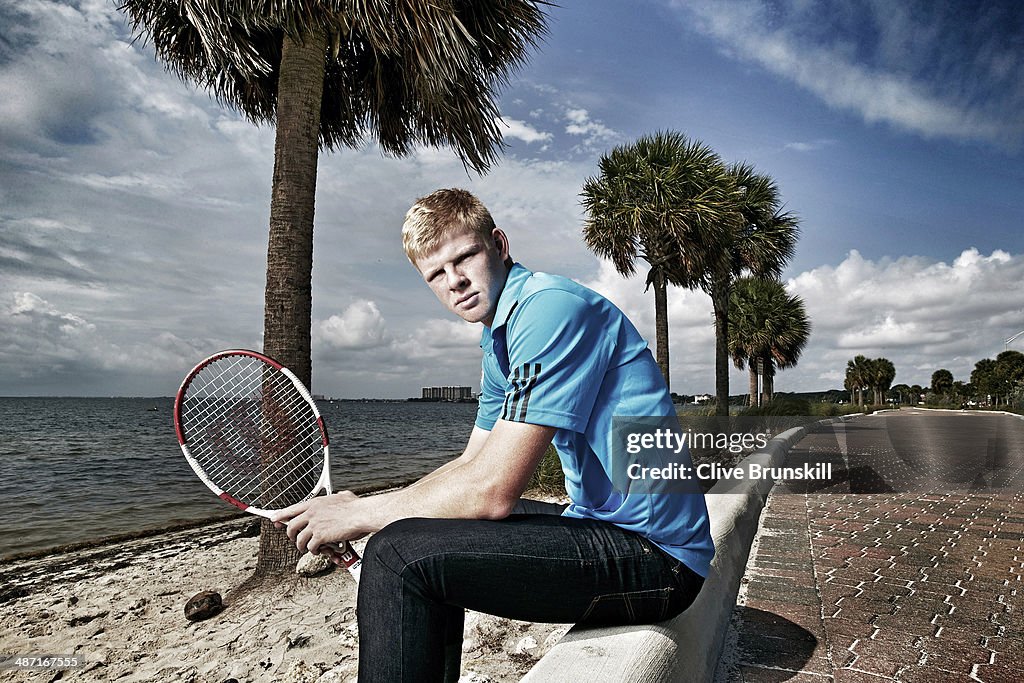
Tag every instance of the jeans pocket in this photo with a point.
(688, 585)
(636, 607)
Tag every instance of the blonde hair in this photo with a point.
(440, 214)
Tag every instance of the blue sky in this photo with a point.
(133, 208)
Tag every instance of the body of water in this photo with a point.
(79, 469)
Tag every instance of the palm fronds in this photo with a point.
(407, 73)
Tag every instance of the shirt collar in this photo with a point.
(510, 295)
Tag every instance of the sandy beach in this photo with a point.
(119, 607)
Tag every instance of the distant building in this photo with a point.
(447, 394)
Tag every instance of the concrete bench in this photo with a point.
(686, 648)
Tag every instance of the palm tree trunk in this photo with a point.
(288, 299)
(752, 386)
(720, 302)
(661, 322)
(768, 378)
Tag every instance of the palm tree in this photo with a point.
(942, 382)
(663, 198)
(882, 373)
(759, 238)
(858, 377)
(850, 385)
(767, 327)
(331, 74)
(900, 392)
(868, 377)
(749, 328)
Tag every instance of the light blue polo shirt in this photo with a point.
(561, 355)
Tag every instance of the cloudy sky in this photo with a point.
(134, 209)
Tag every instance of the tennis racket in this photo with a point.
(253, 434)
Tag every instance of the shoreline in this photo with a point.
(185, 525)
(119, 604)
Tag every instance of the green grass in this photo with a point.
(548, 477)
(779, 407)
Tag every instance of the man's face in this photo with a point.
(467, 273)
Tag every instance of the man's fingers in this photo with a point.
(305, 542)
(284, 514)
(295, 526)
(332, 555)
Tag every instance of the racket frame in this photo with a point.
(345, 551)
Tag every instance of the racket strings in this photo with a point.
(253, 433)
(298, 473)
(274, 481)
(239, 479)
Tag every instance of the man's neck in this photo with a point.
(508, 269)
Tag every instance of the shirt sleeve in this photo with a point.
(492, 392)
(559, 352)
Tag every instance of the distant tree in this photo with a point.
(942, 382)
(959, 392)
(850, 386)
(899, 393)
(1009, 373)
(916, 390)
(769, 327)
(870, 374)
(664, 198)
(882, 372)
(858, 377)
(985, 381)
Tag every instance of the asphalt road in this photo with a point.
(918, 451)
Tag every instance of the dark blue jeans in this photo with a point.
(420, 574)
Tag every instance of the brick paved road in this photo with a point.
(920, 585)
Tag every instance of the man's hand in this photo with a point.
(484, 483)
(321, 520)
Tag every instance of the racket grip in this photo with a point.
(348, 556)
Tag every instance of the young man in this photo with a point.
(559, 363)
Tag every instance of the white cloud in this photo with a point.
(358, 353)
(44, 317)
(809, 146)
(521, 130)
(919, 313)
(437, 335)
(133, 182)
(891, 333)
(45, 349)
(881, 88)
(593, 132)
(360, 326)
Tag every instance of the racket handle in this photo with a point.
(353, 563)
(349, 557)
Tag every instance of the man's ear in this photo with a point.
(501, 242)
